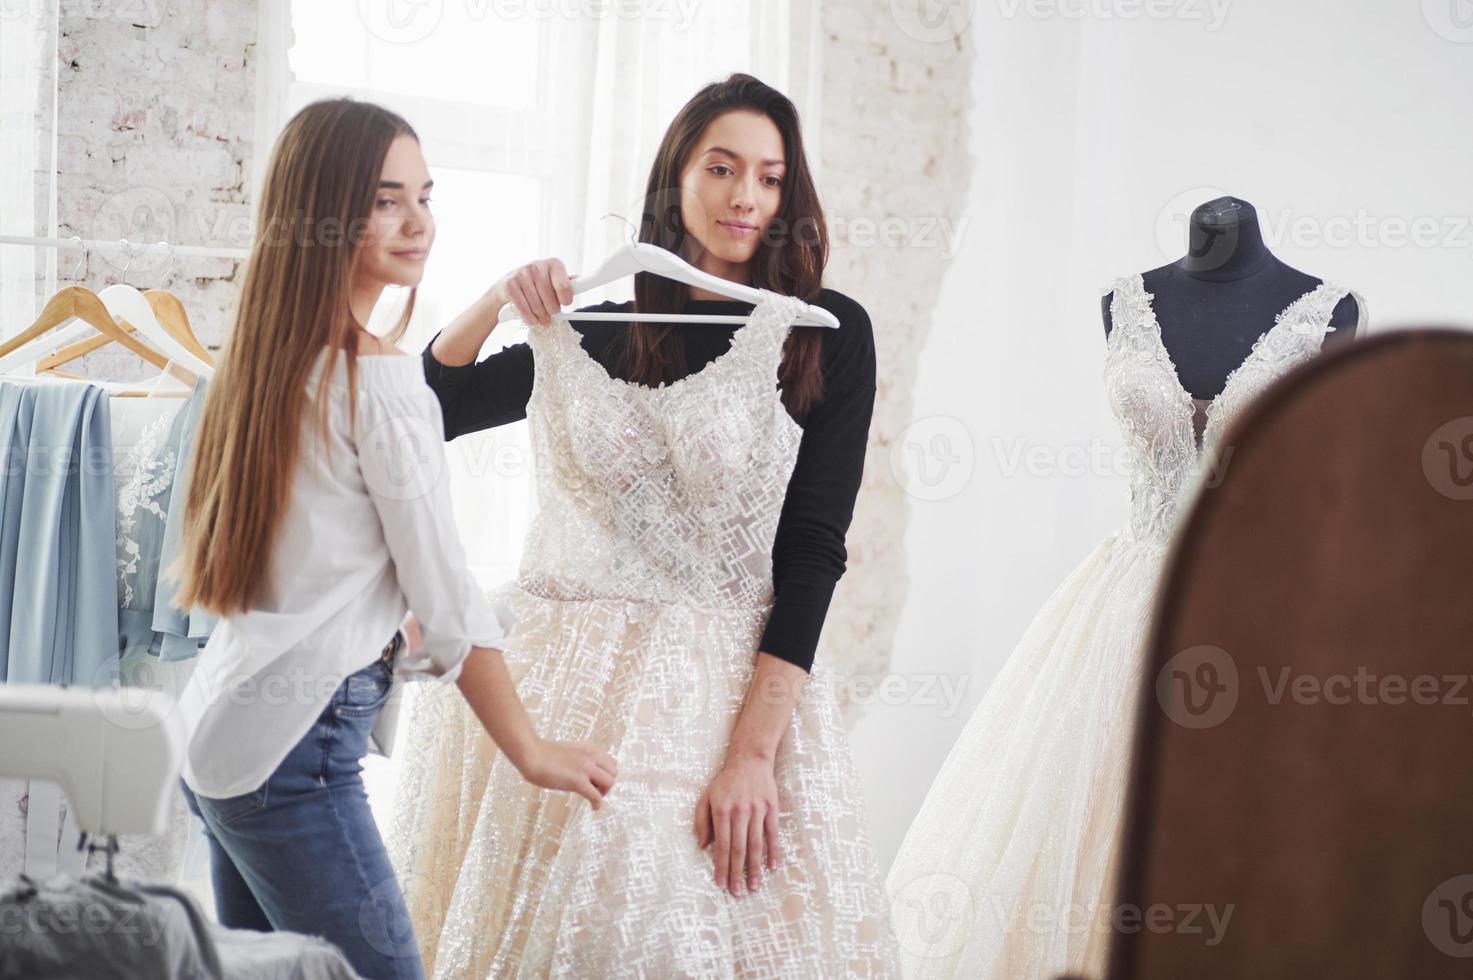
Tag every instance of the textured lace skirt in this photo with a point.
(505, 879)
(1008, 871)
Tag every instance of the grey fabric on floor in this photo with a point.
(73, 928)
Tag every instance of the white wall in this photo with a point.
(1093, 138)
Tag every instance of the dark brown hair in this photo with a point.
(789, 259)
(315, 204)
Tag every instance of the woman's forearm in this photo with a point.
(771, 697)
(537, 290)
(459, 343)
(491, 694)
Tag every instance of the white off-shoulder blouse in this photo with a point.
(368, 535)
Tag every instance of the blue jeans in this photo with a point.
(303, 854)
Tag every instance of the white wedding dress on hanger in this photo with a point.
(643, 592)
(1008, 870)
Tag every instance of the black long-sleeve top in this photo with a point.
(808, 554)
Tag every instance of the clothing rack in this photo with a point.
(114, 757)
(134, 249)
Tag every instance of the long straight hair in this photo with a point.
(316, 202)
(789, 259)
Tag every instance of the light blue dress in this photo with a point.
(183, 632)
(152, 488)
(58, 525)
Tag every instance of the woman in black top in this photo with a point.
(808, 555)
(738, 203)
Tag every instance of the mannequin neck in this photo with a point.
(1225, 242)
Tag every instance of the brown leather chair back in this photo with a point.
(1302, 796)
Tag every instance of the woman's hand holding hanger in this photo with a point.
(537, 290)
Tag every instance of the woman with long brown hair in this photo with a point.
(695, 482)
(317, 515)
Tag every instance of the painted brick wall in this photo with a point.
(154, 140)
(895, 178)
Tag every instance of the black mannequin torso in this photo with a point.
(1214, 303)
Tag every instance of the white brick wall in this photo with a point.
(895, 121)
(155, 139)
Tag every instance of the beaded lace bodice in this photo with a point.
(665, 494)
(1156, 414)
(645, 587)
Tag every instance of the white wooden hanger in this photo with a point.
(126, 303)
(644, 257)
(166, 307)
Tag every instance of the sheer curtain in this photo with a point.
(645, 69)
(27, 102)
(27, 98)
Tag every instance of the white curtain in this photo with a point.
(27, 274)
(644, 69)
(27, 100)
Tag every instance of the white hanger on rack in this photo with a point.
(126, 303)
(644, 257)
(166, 307)
(79, 313)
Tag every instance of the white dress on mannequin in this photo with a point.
(1008, 869)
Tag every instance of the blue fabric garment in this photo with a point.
(151, 493)
(58, 527)
(302, 852)
(183, 633)
(145, 439)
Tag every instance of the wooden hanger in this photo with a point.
(170, 311)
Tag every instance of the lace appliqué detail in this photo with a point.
(1156, 414)
(1296, 336)
(144, 475)
(661, 494)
